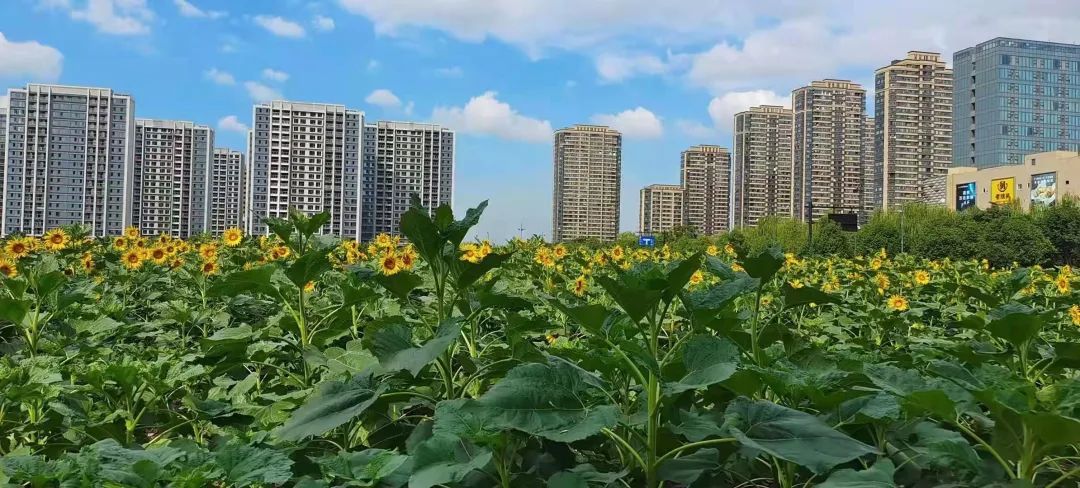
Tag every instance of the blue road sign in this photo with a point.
(646, 241)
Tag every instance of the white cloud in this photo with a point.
(383, 98)
(280, 26)
(450, 72)
(722, 109)
(29, 59)
(486, 115)
(409, 108)
(118, 17)
(637, 123)
(323, 23)
(187, 9)
(231, 124)
(614, 68)
(696, 129)
(275, 75)
(260, 92)
(220, 77)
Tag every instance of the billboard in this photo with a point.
(965, 196)
(1043, 189)
(1002, 191)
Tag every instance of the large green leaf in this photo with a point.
(764, 265)
(1014, 322)
(365, 468)
(309, 266)
(583, 476)
(679, 275)
(350, 360)
(632, 295)
(591, 316)
(245, 465)
(794, 297)
(254, 280)
(708, 360)
(445, 459)
(880, 475)
(333, 404)
(791, 435)
(687, 469)
(552, 401)
(393, 345)
(1053, 429)
(399, 284)
(108, 461)
(468, 273)
(13, 310)
(708, 302)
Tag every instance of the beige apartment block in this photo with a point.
(762, 164)
(1043, 179)
(706, 176)
(829, 122)
(588, 176)
(660, 209)
(913, 111)
(871, 200)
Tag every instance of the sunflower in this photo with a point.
(729, 249)
(163, 238)
(408, 257)
(209, 268)
(132, 232)
(158, 255)
(385, 241)
(1062, 284)
(697, 278)
(581, 285)
(56, 239)
(8, 268)
(875, 264)
(88, 262)
(617, 253)
(280, 252)
(232, 237)
(309, 287)
(559, 251)
(922, 277)
(712, 250)
(736, 267)
(176, 263)
(389, 264)
(17, 248)
(882, 282)
(898, 303)
(208, 251)
(132, 259)
(796, 284)
(471, 253)
(1074, 314)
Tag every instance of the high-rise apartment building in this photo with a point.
(170, 177)
(706, 176)
(871, 183)
(228, 190)
(830, 119)
(401, 159)
(588, 178)
(762, 164)
(3, 155)
(913, 119)
(1014, 97)
(660, 208)
(305, 156)
(69, 159)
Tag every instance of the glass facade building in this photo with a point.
(1015, 97)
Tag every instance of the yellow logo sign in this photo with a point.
(1002, 191)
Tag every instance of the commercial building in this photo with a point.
(762, 164)
(305, 156)
(1043, 179)
(170, 177)
(661, 208)
(401, 159)
(588, 178)
(829, 128)
(1015, 97)
(706, 176)
(228, 190)
(69, 159)
(912, 128)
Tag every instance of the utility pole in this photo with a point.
(521, 231)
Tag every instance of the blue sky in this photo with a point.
(503, 73)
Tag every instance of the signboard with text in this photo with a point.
(646, 241)
(1002, 191)
(965, 196)
(1043, 189)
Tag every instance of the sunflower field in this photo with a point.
(429, 360)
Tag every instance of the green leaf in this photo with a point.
(794, 297)
(248, 465)
(679, 275)
(880, 475)
(545, 400)
(46, 283)
(708, 360)
(710, 301)
(393, 346)
(309, 225)
(582, 476)
(791, 435)
(591, 317)
(97, 326)
(13, 310)
(254, 280)
(333, 404)
(1014, 322)
(400, 284)
(116, 464)
(697, 427)
(351, 360)
(687, 469)
(1053, 429)
(763, 266)
(635, 299)
(309, 266)
(366, 467)
(468, 272)
(869, 409)
(444, 459)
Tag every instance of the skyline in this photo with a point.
(503, 78)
